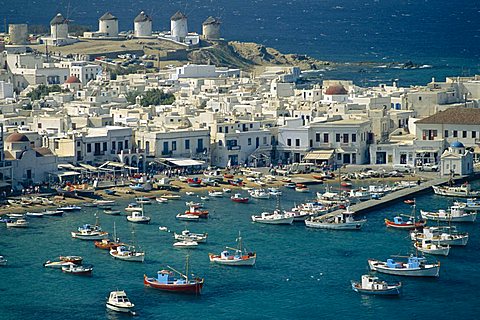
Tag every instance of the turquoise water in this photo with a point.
(300, 273)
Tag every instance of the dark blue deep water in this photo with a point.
(300, 273)
(442, 33)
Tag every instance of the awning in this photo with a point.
(425, 151)
(68, 174)
(319, 155)
(183, 162)
(89, 167)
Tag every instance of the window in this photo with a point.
(455, 134)
(39, 126)
(249, 141)
(251, 125)
(419, 98)
(354, 137)
(264, 140)
(220, 129)
(113, 145)
(345, 138)
(474, 134)
(337, 137)
(317, 137)
(325, 138)
(226, 129)
(464, 134)
(297, 142)
(104, 146)
(289, 142)
(220, 143)
(339, 156)
(174, 145)
(120, 145)
(445, 135)
(78, 143)
(187, 144)
(200, 144)
(126, 144)
(89, 147)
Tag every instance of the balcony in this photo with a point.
(234, 147)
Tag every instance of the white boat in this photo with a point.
(3, 261)
(189, 193)
(194, 204)
(57, 264)
(205, 198)
(127, 253)
(171, 196)
(104, 203)
(215, 194)
(414, 267)
(133, 207)
(187, 217)
(259, 194)
(330, 198)
(16, 215)
(472, 204)
(342, 221)
(185, 244)
(372, 285)
(143, 200)
(276, 217)
(464, 191)
(234, 256)
(70, 208)
(430, 247)
(360, 195)
(186, 235)
(112, 212)
(441, 235)
(227, 190)
(76, 269)
(138, 217)
(119, 302)
(19, 223)
(89, 232)
(161, 200)
(34, 214)
(53, 213)
(454, 214)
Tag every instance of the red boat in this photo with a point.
(197, 212)
(238, 198)
(194, 182)
(167, 282)
(228, 176)
(317, 177)
(107, 244)
(409, 201)
(346, 184)
(399, 223)
(236, 183)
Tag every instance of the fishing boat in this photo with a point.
(431, 247)
(161, 200)
(57, 264)
(275, 217)
(112, 212)
(19, 223)
(454, 214)
(55, 213)
(71, 259)
(330, 198)
(143, 200)
(89, 232)
(464, 191)
(372, 285)
(359, 195)
(301, 188)
(443, 235)
(77, 270)
(110, 192)
(186, 235)
(187, 217)
(119, 302)
(166, 281)
(34, 214)
(342, 221)
(104, 203)
(472, 204)
(237, 197)
(132, 207)
(411, 223)
(108, 244)
(197, 212)
(16, 215)
(69, 208)
(415, 267)
(194, 182)
(187, 244)
(3, 261)
(238, 256)
(259, 194)
(215, 194)
(127, 253)
(138, 217)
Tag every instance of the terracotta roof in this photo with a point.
(17, 137)
(211, 20)
(42, 151)
(142, 17)
(72, 79)
(178, 16)
(8, 155)
(58, 19)
(108, 16)
(336, 89)
(456, 115)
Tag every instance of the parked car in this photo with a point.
(429, 167)
(405, 168)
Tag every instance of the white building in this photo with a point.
(142, 26)
(58, 32)
(6, 90)
(107, 28)
(85, 71)
(211, 29)
(456, 160)
(178, 26)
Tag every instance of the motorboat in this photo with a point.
(431, 247)
(276, 217)
(171, 196)
(400, 223)
(104, 203)
(161, 200)
(16, 215)
(19, 223)
(186, 235)
(143, 200)
(108, 244)
(89, 205)
(470, 205)
(34, 214)
(3, 261)
(72, 259)
(138, 217)
(414, 267)
(409, 201)
(205, 198)
(197, 212)
(112, 212)
(69, 208)
(372, 285)
(290, 185)
(77, 270)
(187, 244)
(227, 190)
(187, 217)
(57, 264)
(237, 197)
(445, 235)
(215, 194)
(464, 191)
(302, 188)
(119, 302)
(127, 253)
(133, 207)
(454, 214)
(259, 194)
(89, 232)
(342, 221)
(189, 193)
(56, 213)
(238, 256)
(194, 204)
(167, 281)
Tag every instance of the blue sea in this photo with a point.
(300, 273)
(443, 34)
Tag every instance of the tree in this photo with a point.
(153, 97)
(42, 91)
(131, 96)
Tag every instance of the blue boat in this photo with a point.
(110, 192)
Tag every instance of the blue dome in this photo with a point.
(457, 144)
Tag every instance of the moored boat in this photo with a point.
(112, 212)
(19, 223)
(138, 217)
(133, 207)
(342, 221)
(89, 232)
(414, 267)
(186, 235)
(399, 223)
(56, 213)
(77, 270)
(215, 194)
(187, 217)
(127, 253)
(464, 191)
(372, 285)
(454, 214)
(69, 208)
(276, 217)
(441, 235)
(238, 256)
(187, 244)
(119, 302)
(237, 197)
(3, 261)
(431, 247)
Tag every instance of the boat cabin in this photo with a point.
(166, 277)
(399, 220)
(416, 262)
(392, 264)
(372, 283)
(118, 296)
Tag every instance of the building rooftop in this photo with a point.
(178, 16)
(211, 20)
(456, 115)
(336, 90)
(17, 137)
(142, 17)
(58, 19)
(108, 16)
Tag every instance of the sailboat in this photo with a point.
(128, 252)
(167, 281)
(399, 223)
(107, 244)
(239, 257)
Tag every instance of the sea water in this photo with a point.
(300, 273)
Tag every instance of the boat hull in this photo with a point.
(357, 225)
(130, 258)
(273, 221)
(141, 221)
(431, 271)
(468, 217)
(89, 237)
(191, 288)
(416, 225)
(392, 290)
(117, 308)
(250, 261)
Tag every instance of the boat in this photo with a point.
(346, 184)
(69, 208)
(16, 215)
(187, 244)
(53, 213)
(189, 193)
(414, 267)
(431, 247)
(3, 261)
(104, 203)
(119, 302)
(464, 191)
(330, 198)
(359, 195)
(276, 217)
(171, 196)
(259, 194)
(127, 253)
(197, 212)
(205, 198)
(289, 185)
(112, 212)
(409, 201)
(166, 281)
(19, 223)
(215, 194)
(454, 214)
(302, 188)
(187, 217)
(108, 244)
(143, 200)
(57, 264)
(372, 285)
(132, 207)
(89, 232)
(194, 204)
(137, 187)
(443, 235)
(227, 190)
(71, 259)
(138, 217)
(237, 197)
(472, 204)
(186, 235)
(342, 221)
(161, 200)
(89, 204)
(411, 223)
(78, 270)
(34, 214)
(194, 182)
(110, 192)
(238, 256)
